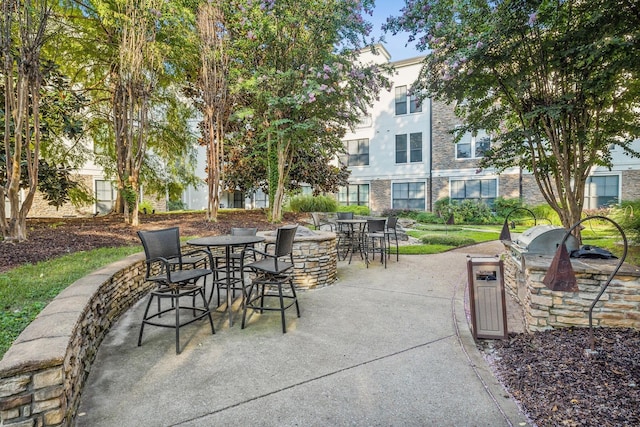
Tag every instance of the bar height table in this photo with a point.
(228, 242)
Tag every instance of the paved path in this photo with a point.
(378, 348)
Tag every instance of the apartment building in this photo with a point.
(402, 156)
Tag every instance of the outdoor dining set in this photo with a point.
(262, 277)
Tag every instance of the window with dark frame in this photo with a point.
(354, 195)
(415, 105)
(409, 195)
(401, 100)
(601, 191)
(357, 153)
(411, 152)
(401, 148)
(472, 147)
(480, 190)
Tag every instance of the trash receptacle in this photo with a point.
(487, 299)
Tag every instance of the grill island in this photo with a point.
(540, 240)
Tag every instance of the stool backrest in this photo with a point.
(240, 231)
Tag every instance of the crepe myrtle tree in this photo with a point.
(301, 82)
(554, 82)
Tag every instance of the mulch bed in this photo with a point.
(558, 381)
(548, 373)
(52, 237)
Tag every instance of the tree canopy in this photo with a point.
(301, 85)
(555, 82)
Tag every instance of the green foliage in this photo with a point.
(446, 239)
(302, 86)
(503, 207)
(627, 216)
(357, 210)
(176, 205)
(146, 207)
(554, 83)
(313, 204)
(545, 214)
(428, 218)
(465, 211)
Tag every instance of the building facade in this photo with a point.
(402, 156)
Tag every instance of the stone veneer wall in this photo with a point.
(544, 309)
(315, 258)
(42, 374)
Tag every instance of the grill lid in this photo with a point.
(544, 239)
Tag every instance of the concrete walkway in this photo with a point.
(378, 348)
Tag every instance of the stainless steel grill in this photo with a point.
(542, 240)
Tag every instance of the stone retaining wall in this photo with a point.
(315, 258)
(42, 374)
(619, 306)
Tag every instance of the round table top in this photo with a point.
(351, 221)
(225, 240)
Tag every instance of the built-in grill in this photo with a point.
(542, 240)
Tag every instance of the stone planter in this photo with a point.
(314, 255)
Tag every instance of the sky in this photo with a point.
(394, 44)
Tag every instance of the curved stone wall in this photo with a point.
(315, 257)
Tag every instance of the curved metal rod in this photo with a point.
(505, 234)
(606, 284)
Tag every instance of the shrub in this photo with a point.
(503, 207)
(428, 218)
(357, 210)
(466, 211)
(449, 240)
(313, 204)
(544, 212)
(627, 215)
(176, 205)
(145, 207)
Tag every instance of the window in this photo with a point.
(601, 191)
(401, 148)
(409, 195)
(413, 153)
(105, 196)
(357, 153)
(365, 122)
(354, 194)
(401, 100)
(471, 147)
(480, 190)
(415, 105)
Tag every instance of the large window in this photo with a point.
(105, 196)
(412, 153)
(480, 190)
(403, 98)
(357, 153)
(601, 191)
(409, 195)
(354, 194)
(472, 147)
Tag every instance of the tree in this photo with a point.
(302, 82)
(213, 87)
(555, 82)
(129, 57)
(22, 37)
